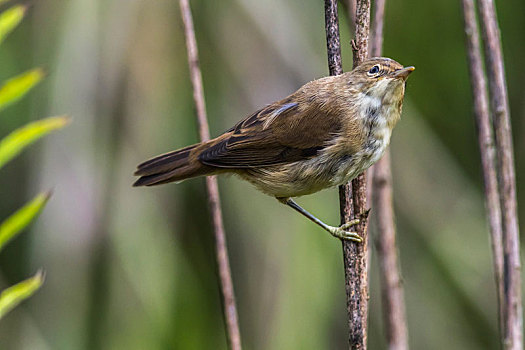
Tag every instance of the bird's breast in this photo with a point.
(350, 165)
(377, 120)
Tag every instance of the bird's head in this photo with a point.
(381, 77)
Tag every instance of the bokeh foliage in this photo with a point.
(10, 146)
(133, 268)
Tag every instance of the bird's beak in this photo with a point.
(404, 72)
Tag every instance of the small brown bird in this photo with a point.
(322, 135)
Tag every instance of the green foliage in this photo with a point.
(18, 221)
(14, 295)
(15, 142)
(10, 146)
(15, 88)
(9, 19)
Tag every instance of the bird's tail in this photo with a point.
(170, 167)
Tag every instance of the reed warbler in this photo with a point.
(323, 135)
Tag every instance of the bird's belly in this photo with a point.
(317, 173)
(291, 180)
(310, 176)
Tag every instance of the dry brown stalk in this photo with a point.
(486, 143)
(352, 196)
(392, 295)
(512, 307)
(228, 296)
(376, 39)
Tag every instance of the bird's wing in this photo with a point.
(282, 132)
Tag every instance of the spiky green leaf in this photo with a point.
(9, 19)
(14, 295)
(15, 142)
(18, 221)
(15, 88)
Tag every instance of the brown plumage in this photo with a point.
(322, 135)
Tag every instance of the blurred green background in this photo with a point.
(133, 268)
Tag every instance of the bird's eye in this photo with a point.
(374, 70)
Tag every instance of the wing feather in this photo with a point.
(282, 132)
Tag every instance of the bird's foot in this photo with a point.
(342, 233)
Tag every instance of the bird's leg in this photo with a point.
(339, 232)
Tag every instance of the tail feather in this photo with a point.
(164, 161)
(169, 167)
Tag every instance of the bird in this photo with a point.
(323, 135)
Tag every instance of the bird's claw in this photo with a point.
(341, 233)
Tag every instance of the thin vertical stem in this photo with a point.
(362, 30)
(392, 294)
(333, 43)
(376, 39)
(393, 300)
(352, 197)
(228, 296)
(359, 252)
(486, 143)
(512, 307)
